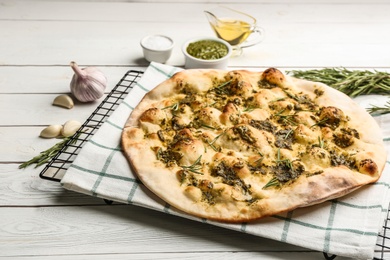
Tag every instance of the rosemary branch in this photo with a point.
(273, 182)
(49, 154)
(379, 110)
(353, 83)
(173, 107)
(221, 88)
(195, 167)
(213, 141)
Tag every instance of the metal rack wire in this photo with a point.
(383, 242)
(56, 168)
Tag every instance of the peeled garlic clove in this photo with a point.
(51, 131)
(70, 127)
(88, 84)
(63, 101)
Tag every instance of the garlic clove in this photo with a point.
(70, 128)
(51, 131)
(63, 101)
(87, 84)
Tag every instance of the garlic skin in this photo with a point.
(63, 101)
(70, 128)
(88, 84)
(51, 131)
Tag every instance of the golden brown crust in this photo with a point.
(273, 76)
(235, 146)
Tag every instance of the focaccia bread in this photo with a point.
(236, 146)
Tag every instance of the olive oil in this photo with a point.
(233, 31)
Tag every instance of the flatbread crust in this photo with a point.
(235, 146)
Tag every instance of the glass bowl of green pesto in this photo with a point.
(206, 53)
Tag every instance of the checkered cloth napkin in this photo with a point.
(348, 226)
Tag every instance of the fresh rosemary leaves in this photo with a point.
(195, 167)
(49, 154)
(353, 83)
(380, 110)
(273, 182)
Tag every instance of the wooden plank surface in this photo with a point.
(51, 79)
(339, 40)
(38, 39)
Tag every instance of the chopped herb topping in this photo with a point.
(211, 143)
(173, 107)
(229, 176)
(284, 139)
(331, 117)
(318, 92)
(285, 171)
(343, 140)
(272, 183)
(245, 134)
(337, 159)
(258, 168)
(285, 119)
(265, 125)
(265, 84)
(177, 123)
(222, 89)
(195, 167)
(160, 135)
(231, 97)
(169, 156)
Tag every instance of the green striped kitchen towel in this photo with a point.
(347, 226)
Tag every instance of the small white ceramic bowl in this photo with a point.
(157, 48)
(196, 63)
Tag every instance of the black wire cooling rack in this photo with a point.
(383, 242)
(57, 166)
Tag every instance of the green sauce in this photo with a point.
(207, 50)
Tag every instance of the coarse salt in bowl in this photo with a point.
(157, 48)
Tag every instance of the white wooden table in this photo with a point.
(38, 39)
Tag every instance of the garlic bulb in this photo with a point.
(88, 84)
